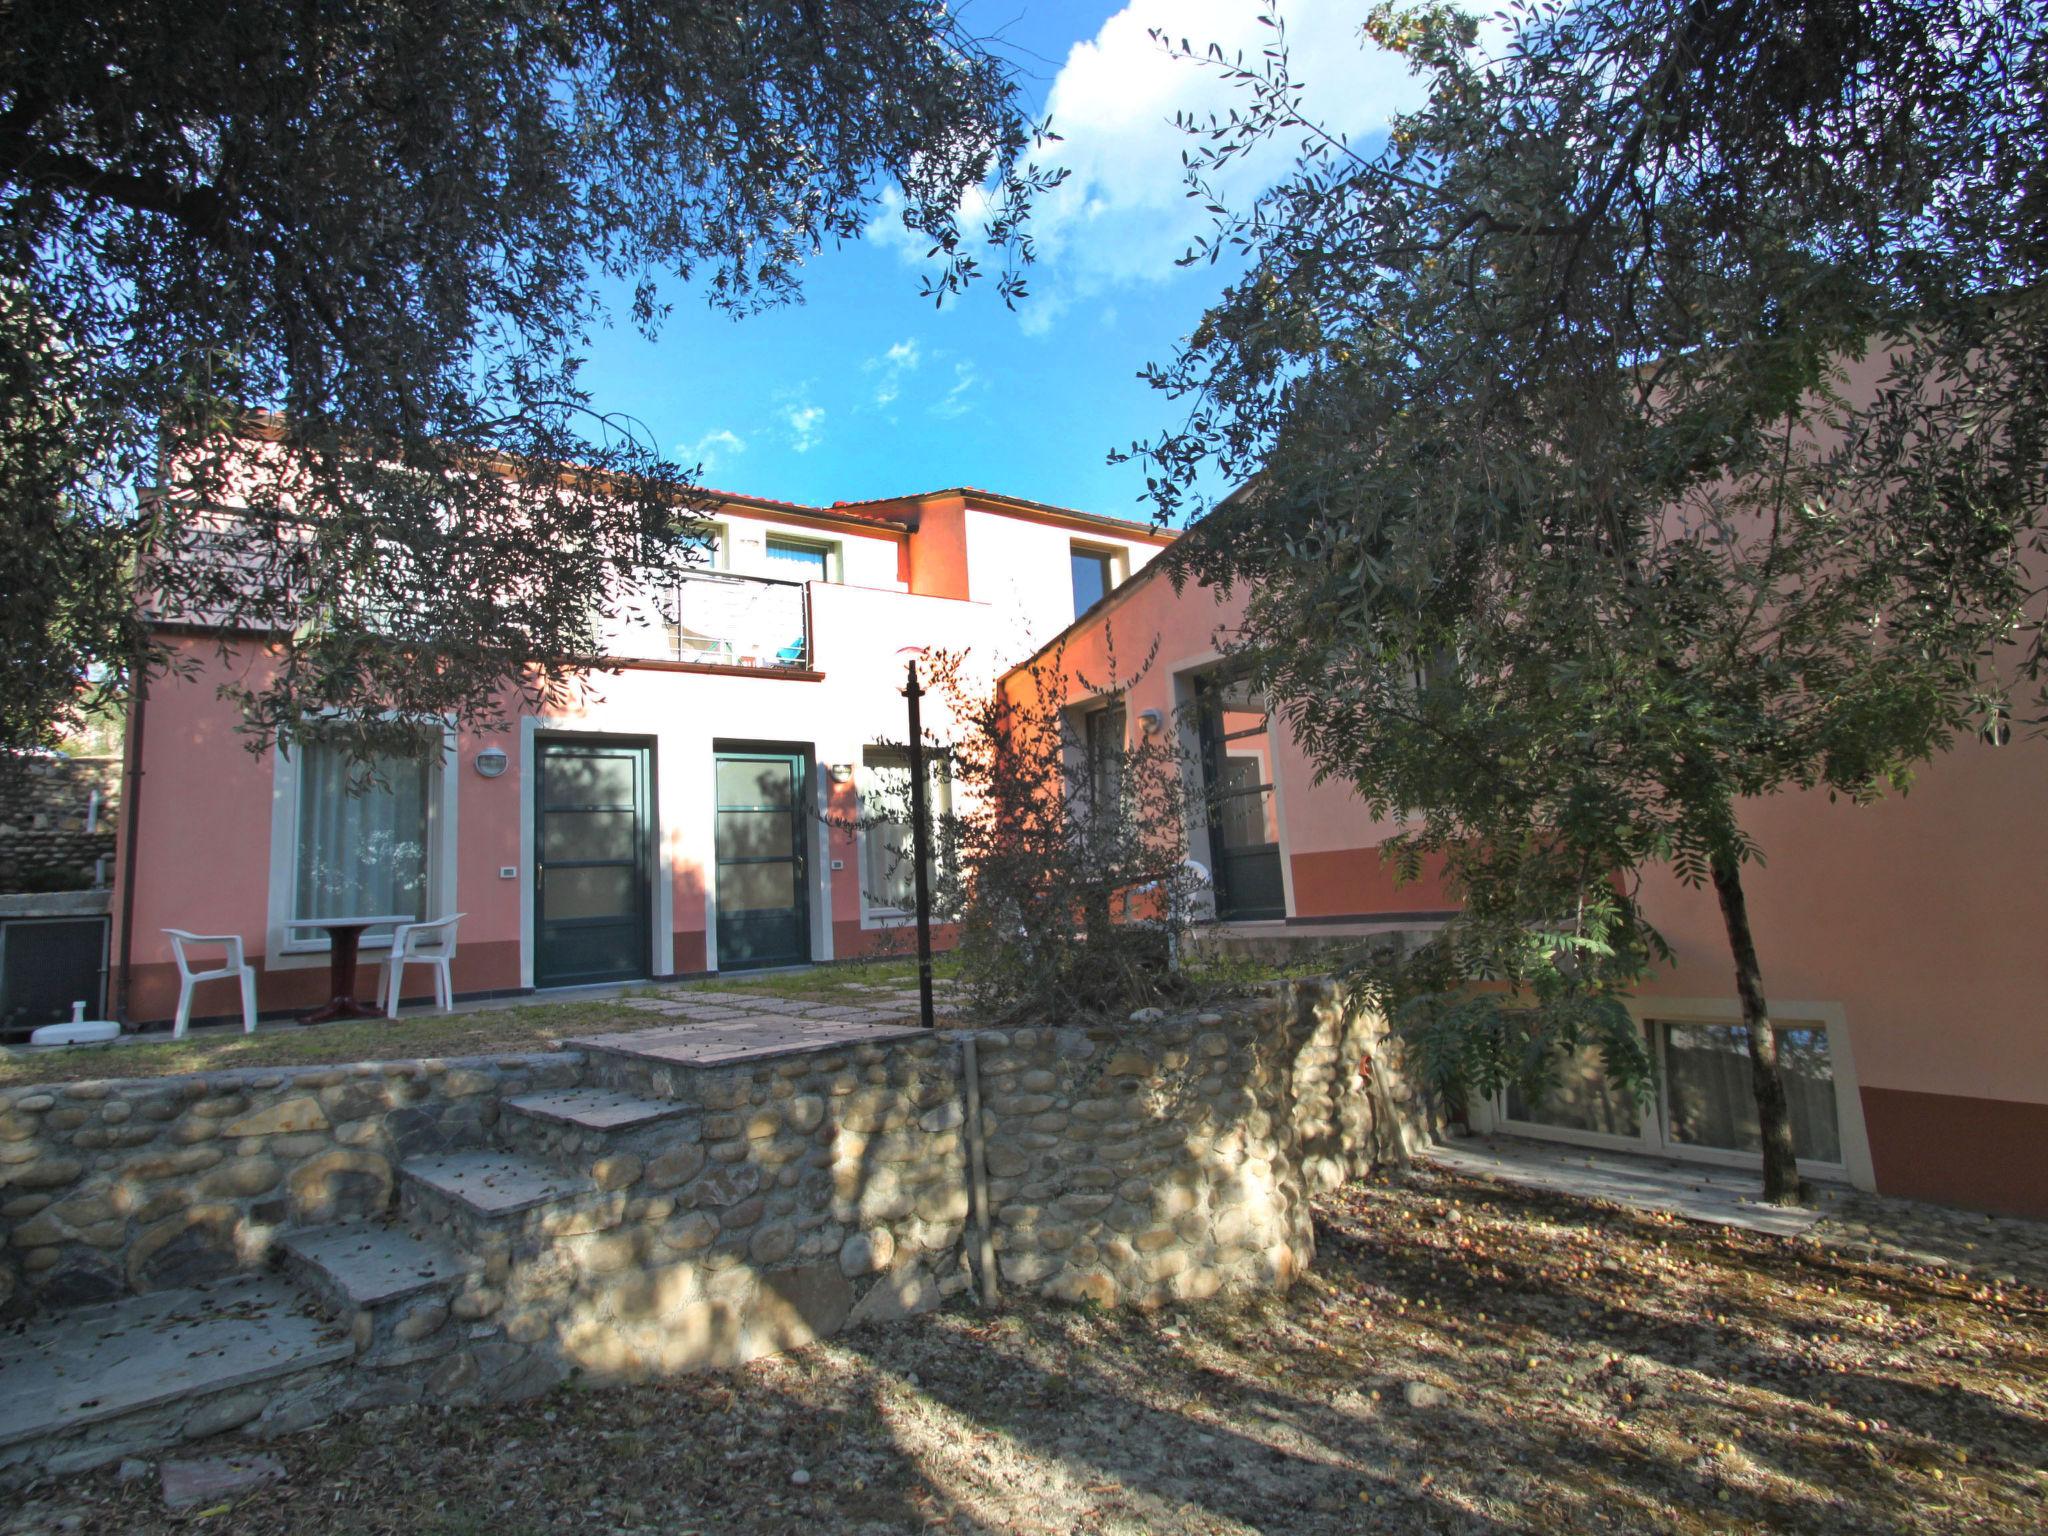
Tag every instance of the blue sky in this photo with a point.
(867, 390)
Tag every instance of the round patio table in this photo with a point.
(344, 941)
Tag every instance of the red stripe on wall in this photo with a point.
(1357, 882)
(1984, 1153)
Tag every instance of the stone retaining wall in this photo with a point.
(1174, 1158)
(797, 1196)
(45, 806)
(785, 1199)
(142, 1184)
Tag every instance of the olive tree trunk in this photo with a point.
(1773, 1117)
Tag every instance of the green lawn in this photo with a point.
(519, 1028)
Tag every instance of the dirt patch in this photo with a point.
(1466, 1358)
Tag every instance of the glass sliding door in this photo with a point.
(1244, 827)
(763, 905)
(593, 885)
(1705, 1106)
(1583, 1100)
(1710, 1102)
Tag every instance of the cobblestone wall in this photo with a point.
(144, 1184)
(45, 806)
(779, 1200)
(797, 1196)
(1174, 1157)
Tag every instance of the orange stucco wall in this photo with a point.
(1329, 841)
(1914, 927)
(1921, 918)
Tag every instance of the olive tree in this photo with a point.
(383, 228)
(1654, 422)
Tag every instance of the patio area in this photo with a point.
(863, 992)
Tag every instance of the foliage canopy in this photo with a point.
(1061, 851)
(1655, 421)
(387, 225)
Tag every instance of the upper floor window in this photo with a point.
(1094, 576)
(799, 559)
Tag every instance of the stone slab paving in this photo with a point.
(2003, 1249)
(683, 1007)
(98, 1363)
(1726, 1196)
(2007, 1249)
(597, 1109)
(497, 1183)
(368, 1263)
(744, 1005)
(744, 1039)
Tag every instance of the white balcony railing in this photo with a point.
(715, 617)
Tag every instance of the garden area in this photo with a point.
(1463, 1358)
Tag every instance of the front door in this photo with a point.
(1244, 831)
(592, 885)
(764, 917)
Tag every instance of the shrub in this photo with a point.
(1061, 851)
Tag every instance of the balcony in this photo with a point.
(718, 619)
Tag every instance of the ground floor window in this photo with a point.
(1584, 1099)
(1711, 1103)
(362, 838)
(888, 875)
(1704, 1099)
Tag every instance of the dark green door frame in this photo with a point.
(761, 827)
(1244, 851)
(593, 870)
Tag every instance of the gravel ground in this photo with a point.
(1467, 1357)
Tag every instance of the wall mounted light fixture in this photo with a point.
(492, 761)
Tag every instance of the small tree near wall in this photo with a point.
(1060, 850)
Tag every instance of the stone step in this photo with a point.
(93, 1385)
(571, 1126)
(491, 1202)
(681, 1063)
(359, 1266)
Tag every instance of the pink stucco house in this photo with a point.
(1901, 942)
(670, 826)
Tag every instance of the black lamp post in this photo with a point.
(920, 848)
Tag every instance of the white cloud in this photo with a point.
(958, 400)
(712, 449)
(805, 422)
(1122, 216)
(1123, 212)
(900, 359)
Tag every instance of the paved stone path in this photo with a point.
(2008, 1249)
(1725, 1196)
(740, 1037)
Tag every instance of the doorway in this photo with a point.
(593, 866)
(762, 883)
(1244, 827)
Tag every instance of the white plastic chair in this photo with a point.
(431, 944)
(232, 969)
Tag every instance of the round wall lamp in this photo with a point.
(492, 761)
(1150, 720)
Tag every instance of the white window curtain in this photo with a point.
(1713, 1102)
(362, 854)
(888, 878)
